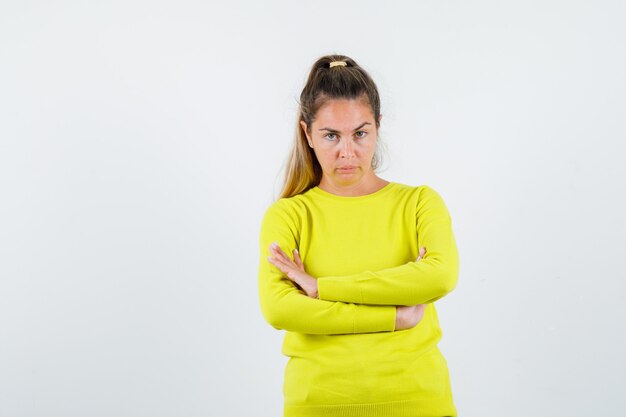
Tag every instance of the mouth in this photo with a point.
(347, 168)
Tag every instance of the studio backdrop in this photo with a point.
(141, 142)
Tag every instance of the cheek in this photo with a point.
(327, 157)
(324, 148)
(322, 155)
(367, 146)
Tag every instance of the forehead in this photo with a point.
(344, 113)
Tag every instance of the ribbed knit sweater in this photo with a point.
(345, 356)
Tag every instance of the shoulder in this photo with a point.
(430, 203)
(289, 205)
(425, 199)
(289, 211)
(417, 192)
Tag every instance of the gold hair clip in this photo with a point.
(337, 63)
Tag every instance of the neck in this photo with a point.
(363, 187)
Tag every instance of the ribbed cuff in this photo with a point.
(370, 319)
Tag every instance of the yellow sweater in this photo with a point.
(346, 358)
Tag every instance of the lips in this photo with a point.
(347, 168)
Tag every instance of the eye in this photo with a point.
(330, 136)
(361, 134)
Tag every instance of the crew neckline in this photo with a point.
(359, 198)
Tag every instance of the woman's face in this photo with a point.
(343, 136)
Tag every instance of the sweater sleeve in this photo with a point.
(417, 282)
(285, 307)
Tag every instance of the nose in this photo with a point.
(346, 149)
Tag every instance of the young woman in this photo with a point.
(351, 264)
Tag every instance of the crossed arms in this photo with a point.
(364, 302)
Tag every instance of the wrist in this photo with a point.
(398, 318)
(312, 287)
(396, 328)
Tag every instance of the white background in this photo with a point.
(141, 142)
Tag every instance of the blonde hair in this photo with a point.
(325, 82)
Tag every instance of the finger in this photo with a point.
(278, 253)
(297, 259)
(288, 271)
(283, 255)
(279, 263)
(421, 253)
(282, 261)
(276, 250)
(275, 262)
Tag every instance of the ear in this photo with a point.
(380, 117)
(306, 133)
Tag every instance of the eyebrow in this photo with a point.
(336, 131)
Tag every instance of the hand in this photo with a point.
(294, 270)
(421, 254)
(409, 316)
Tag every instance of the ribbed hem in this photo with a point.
(408, 408)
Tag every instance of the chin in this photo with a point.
(348, 179)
